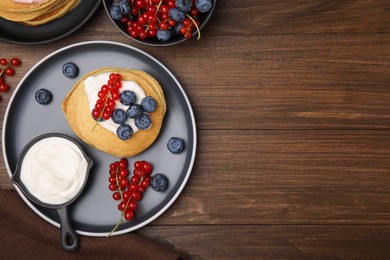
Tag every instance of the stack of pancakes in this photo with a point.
(77, 112)
(36, 13)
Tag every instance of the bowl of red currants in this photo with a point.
(160, 22)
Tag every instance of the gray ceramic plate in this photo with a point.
(95, 213)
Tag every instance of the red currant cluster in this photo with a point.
(128, 191)
(149, 16)
(7, 69)
(188, 25)
(108, 94)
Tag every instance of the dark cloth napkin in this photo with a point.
(25, 235)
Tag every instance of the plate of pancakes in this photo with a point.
(95, 212)
(47, 21)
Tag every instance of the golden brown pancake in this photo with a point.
(77, 111)
(12, 6)
(54, 14)
(36, 14)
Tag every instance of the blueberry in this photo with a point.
(116, 13)
(125, 7)
(70, 70)
(119, 116)
(184, 5)
(128, 98)
(203, 6)
(135, 111)
(159, 182)
(43, 96)
(175, 145)
(124, 131)
(163, 35)
(176, 15)
(149, 104)
(143, 122)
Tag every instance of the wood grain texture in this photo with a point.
(277, 242)
(292, 104)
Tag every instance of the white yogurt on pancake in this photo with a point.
(93, 85)
(29, 1)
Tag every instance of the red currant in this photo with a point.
(116, 196)
(9, 71)
(136, 196)
(4, 87)
(3, 61)
(123, 163)
(15, 62)
(129, 214)
(122, 205)
(126, 195)
(132, 205)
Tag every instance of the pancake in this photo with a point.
(36, 14)
(54, 14)
(12, 6)
(78, 114)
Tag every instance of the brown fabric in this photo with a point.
(24, 235)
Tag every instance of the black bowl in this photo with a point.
(203, 19)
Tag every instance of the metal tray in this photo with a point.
(95, 212)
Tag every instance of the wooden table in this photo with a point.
(292, 103)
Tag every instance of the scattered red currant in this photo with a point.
(15, 62)
(4, 87)
(7, 69)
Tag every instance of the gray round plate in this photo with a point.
(95, 212)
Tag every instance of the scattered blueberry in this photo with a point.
(119, 116)
(176, 15)
(175, 145)
(135, 111)
(149, 104)
(115, 12)
(43, 96)
(128, 98)
(184, 5)
(203, 6)
(70, 70)
(124, 131)
(163, 35)
(159, 182)
(143, 122)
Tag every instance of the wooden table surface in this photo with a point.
(292, 104)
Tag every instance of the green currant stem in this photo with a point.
(101, 112)
(117, 183)
(117, 225)
(158, 7)
(127, 205)
(194, 22)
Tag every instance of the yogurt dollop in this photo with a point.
(29, 1)
(54, 170)
(93, 85)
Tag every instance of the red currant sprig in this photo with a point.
(128, 191)
(7, 69)
(107, 97)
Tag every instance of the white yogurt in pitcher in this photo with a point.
(54, 170)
